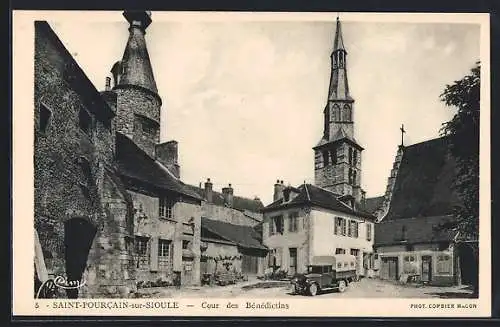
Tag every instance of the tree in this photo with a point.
(462, 132)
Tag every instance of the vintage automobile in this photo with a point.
(326, 273)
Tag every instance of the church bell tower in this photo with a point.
(337, 156)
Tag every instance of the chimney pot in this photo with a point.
(208, 190)
(278, 190)
(227, 193)
(108, 84)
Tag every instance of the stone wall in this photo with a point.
(335, 177)
(70, 169)
(184, 225)
(136, 107)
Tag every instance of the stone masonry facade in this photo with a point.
(73, 165)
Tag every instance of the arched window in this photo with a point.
(354, 157)
(341, 59)
(354, 175)
(350, 176)
(350, 156)
(347, 113)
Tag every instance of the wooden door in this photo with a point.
(393, 268)
(426, 268)
(249, 264)
(389, 268)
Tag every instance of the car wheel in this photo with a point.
(296, 289)
(342, 286)
(313, 289)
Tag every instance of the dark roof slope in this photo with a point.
(239, 203)
(372, 204)
(424, 182)
(134, 163)
(413, 230)
(314, 195)
(244, 236)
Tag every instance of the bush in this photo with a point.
(276, 274)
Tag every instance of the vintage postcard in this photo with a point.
(251, 164)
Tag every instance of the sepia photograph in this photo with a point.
(270, 158)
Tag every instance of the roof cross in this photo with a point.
(402, 129)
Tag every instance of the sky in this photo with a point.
(244, 98)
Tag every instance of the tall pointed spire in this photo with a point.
(338, 43)
(337, 156)
(135, 65)
(339, 87)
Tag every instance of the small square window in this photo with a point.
(185, 244)
(85, 121)
(44, 118)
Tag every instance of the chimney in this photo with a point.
(167, 154)
(208, 190)
(227, 192)
(278, 190)
(107, 87)
(109, 96)
(116, 72)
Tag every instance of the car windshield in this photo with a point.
(315, 269)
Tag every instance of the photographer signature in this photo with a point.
(63, 283)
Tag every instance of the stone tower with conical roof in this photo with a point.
(138, 103)
(337, 156)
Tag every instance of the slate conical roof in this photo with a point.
(339, 86)
(338, 43)
(135, 65)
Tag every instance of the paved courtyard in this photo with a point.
(366, 288)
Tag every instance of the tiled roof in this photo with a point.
(239, 203)
(314, 195)
(134, 163)
(413, 230)
(424, 184)
(372, 204)
(244, 236)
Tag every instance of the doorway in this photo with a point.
(426, 268)
(389, 269)
(78, 236)
(293, 261)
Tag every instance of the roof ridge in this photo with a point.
(427, 141)
(324, 189)
(417, 218)
(218, 192)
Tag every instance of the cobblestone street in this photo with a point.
(366, 288)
